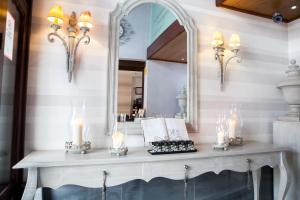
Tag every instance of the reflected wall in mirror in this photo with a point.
(131, 78)
(153, 62)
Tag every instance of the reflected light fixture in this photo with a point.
(57, 18)
(218, 46)
(293, 7)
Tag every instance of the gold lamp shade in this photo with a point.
(85, 20)
(56, 15)
(235, 41)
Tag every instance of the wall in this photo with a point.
(136, 47)
(294, 40)
(128, 81)
(163, 82)
(125, 87)
(251, 83)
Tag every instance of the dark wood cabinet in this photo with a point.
(15, 20)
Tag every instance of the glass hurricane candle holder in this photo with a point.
(78, 141)
(118, 138)
(222, 134)
(235, 126)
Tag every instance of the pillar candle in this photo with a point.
(77, 132)
(231, 128)
(118, 140)
(221, 137)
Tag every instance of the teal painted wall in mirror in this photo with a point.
(161, 18)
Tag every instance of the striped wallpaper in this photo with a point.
(252, 83)
(294, 40)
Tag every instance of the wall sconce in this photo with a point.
(218, 46)
(56, 17)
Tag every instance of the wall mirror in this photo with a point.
(152, 64)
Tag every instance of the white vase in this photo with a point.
(291, 92)
(182, 103)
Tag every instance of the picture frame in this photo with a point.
(138, 90)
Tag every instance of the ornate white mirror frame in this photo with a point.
(185, 20)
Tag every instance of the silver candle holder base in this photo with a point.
(221, 147)
(119, 151)
(78, 149)
(238, 141)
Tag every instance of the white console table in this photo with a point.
(57, 168)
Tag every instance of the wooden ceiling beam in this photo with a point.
(263, 8)
(155, 50)
(219, 3)
(249, 12)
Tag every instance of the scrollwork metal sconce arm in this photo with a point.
(71, 45)
(219, 56)
(51, 39)
(85, 39)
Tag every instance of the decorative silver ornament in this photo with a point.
(126, 31)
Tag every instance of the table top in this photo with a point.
(59, 158)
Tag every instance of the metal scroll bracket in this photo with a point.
(186, 178)
(104, 185)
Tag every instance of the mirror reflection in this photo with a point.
(152, 76)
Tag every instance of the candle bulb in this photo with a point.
(235, 41)
(217, 39)
(77, 132)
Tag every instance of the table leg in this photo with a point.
(284, 177)
(256, 182)
(31, 184)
